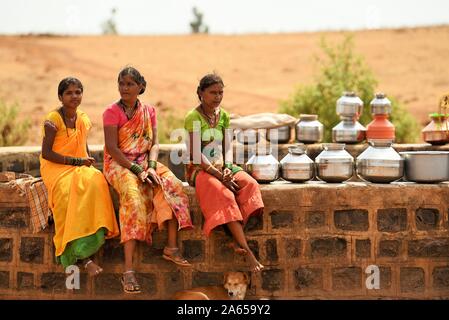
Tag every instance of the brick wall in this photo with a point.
(315, 240)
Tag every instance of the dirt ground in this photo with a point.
(258, 70)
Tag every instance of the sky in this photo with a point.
(137, 17)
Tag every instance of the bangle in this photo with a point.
(207, 169)
(74, 161)
(136, 169)
(152, 164)
(228, 165)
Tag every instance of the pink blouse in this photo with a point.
(115, 116)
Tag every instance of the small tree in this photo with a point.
(341, 70)
(197, 25)
(109, 26)
(11, 132)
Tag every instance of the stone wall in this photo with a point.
(315, 240)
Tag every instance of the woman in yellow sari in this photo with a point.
(78, 194)
(150, 194)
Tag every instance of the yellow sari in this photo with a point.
(78, 196)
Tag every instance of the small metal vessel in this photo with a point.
(380, 162)
(262, 166)
(279, 135)
(247, 136)
(334, 163)
(296, 166)
(309, 129)
(348, 131)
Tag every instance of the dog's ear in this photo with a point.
(246, 277)
(225, 277)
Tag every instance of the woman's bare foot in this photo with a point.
(92, 268)
(237, 249)
(254, 264)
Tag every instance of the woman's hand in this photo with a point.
(153, 176)
(88, 161)
(227, 174)
(231, 185)
(143, 175)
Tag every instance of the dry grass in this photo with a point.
(258, 70)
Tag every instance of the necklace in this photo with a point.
(211, 119)
(64, 118)
(129, 114)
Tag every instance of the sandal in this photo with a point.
(96, 272)
(129, 282)
(174, 255)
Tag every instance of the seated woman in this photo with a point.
(150, 194)
(227, 195)
(78, 194)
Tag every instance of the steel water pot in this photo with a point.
(334, 163)
(309, 129)
(280, 134)
(262, 166)
(296, 166)
(380, 162)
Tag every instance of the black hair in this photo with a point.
(66, 82)
(207, 81)
(135, 74)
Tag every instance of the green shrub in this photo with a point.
(167, 122)
(12, 133)
(342, 70)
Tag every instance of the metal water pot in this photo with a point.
(380, 162)
(247, 136)
(280, 135)
(296, 166)
(334, 163)
(349, 105)
(348, 131)
(309, 129)
(263, 167)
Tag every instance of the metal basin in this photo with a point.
(426, 166)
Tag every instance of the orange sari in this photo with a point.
(141, 206)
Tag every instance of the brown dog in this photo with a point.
(234, 288)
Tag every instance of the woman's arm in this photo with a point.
(154, 150)
(50, 155)
(47, 144)
(111, 143)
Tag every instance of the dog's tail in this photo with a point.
(190, 295)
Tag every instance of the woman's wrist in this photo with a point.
(136, 169)
(73, 161)
(152, 164)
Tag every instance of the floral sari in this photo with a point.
(141, 206)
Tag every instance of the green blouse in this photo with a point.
(195, 119)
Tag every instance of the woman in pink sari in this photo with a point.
(150, 194)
